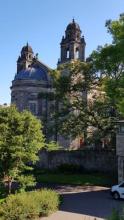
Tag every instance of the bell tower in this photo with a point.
(26, 58)
(72, 44)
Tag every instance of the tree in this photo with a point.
(75, 113)
(20, 140)
(72, 82)
(104, 70)
(108, 61)
(101, 118)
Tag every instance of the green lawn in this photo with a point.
(77, 179)
(95, 179)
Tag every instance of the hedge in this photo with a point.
(29, 205)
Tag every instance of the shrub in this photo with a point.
(48, 201)
(29, 205)
(70, 168)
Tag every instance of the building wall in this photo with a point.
(90, 160)
(120, 153)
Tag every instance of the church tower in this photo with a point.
(25, 60)
(72, 44)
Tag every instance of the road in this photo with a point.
(95, 201)
(91, 202)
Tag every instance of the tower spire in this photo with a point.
(26, 58)
(72, 44)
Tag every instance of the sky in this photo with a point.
(42, 24)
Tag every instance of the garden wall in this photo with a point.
(90, 160)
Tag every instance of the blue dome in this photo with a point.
(32, 73)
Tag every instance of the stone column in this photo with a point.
(120, 150)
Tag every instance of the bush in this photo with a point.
(29, 205)
(70, 168)
(48, 201)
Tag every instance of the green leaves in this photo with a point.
(109, 59)
(21, 138)
(116, 29)
(26, 181)
(71, 83)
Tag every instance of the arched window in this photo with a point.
(67, 53)
(77, 53)
(32, 106)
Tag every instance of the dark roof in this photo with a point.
(32, 73)
(73, 25)
(27, 48)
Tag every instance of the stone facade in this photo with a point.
(120, 150)
(33, 78)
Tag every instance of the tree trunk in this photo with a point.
(9, 186)
(7, 180)
(56, 120)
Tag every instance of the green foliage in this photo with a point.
(31, 205)
(115, 215)
(71, 115)
(48, 201)
(70, 168)
(114, 89)
(105, 70)
(72, 77)
(116, 29)
(109, 62)
(26, 181)
(92, 179)
(71, 81)
(52, 145)
(102, 118)
(21, 138)
(20, 206)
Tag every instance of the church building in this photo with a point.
(33, 76)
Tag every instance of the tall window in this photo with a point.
(67, 54)
(77, 53)
(33, 107)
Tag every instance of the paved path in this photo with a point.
(85, 203)
(60, 215)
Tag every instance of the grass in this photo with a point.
(78, 179)
(91, 179)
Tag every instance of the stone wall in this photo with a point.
(120, 152)
(91, 160)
